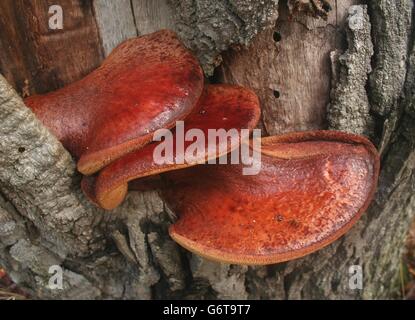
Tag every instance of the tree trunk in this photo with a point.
(353, 72)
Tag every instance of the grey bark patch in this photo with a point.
(210, 27)
(349, 108)
(41, 182)
(11, 230)
(410, 85)
(391, 21)
(35, 258)
(228, 281)
(167, 256)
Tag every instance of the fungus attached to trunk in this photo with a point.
(145, 84)
(313, 186)
(222, 107)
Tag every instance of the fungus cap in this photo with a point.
(312, 187)
(223, 107)
(146, 83)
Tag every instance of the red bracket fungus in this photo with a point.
(221, 107)
(313, 186)
(145, 84)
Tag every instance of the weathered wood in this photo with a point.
(36, 59)
(116, 22)
(230, 25)
(289, 68)
(153, 15)
(123, 19)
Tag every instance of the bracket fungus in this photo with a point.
(145, 84)
(222, 107)
(313, 186)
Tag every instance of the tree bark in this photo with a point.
(353, 72)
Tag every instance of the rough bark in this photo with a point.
(45, 219)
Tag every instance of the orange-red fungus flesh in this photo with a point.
(313, 186)
(221, 107)
(146, 83)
